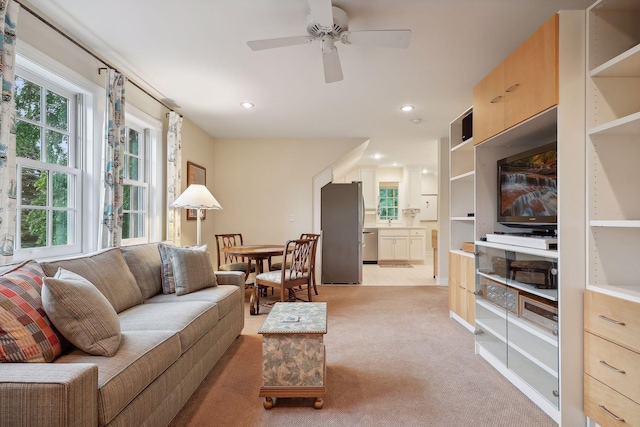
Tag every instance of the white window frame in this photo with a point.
(153, 172)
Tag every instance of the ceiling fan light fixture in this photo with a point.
(247, 105)
(407, 108)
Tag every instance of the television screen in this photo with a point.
(528, 190)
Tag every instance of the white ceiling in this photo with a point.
(194, 52)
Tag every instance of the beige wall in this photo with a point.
(260, 182)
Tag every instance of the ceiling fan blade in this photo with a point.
(385, 38)
(279, 42)
(331, 63)
(322, 12)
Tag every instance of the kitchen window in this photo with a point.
(388, 201)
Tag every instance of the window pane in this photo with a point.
(134, 142)
(57, 148)
(63, 190)
(34, 187)
(137, 225)
(33, 231)
(62, 222)
(27, 99)
(27, 140)
(126, 225)
(134, 168)
(138, 199)
(126, 197)
(57, 111)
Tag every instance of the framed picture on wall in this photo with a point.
(196, 174)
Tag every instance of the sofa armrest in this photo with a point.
(48, 394)
(231, 278)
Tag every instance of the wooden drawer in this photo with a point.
(599, 398)
(599, 353)
(612, 318)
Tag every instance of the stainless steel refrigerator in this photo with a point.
(342, 221)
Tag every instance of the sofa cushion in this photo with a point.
(145, 265)
(192, 269)
(227, 297)
(143, 356)
(190, 320)
(108, 271)
(26, 334)
(81, 313)
(166, 270)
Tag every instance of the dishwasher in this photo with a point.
(370, 245)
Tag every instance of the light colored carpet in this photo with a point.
(394, 358)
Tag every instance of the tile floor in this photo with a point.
(419, 275)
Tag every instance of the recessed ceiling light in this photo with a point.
(407, 108)
(247, 105)
(416, 121)
(425, 170)
(377, 156)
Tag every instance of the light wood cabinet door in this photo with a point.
(607, 407)
(454, 281)
(612, 365)
(614, 319)
(488, 105)
(531, 75)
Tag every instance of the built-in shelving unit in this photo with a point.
(613, 147)
(461, 223)
(613, 213)
(542, 359)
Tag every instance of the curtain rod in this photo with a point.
(72, 40)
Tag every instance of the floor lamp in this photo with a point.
(197, 196)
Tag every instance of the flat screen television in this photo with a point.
(528, 188)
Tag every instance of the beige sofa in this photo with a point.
(168, 345)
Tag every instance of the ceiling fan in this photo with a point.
(328, 24)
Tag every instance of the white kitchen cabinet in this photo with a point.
(401, 244)
(417, 242)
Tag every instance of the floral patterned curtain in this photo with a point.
(115, 134)
(174, 175)
(8, 19)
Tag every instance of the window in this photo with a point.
(48, 178)
(388, 201)
(60, 133)
(136, 188)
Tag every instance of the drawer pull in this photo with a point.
(512, 87)
(613, 368)
(611, 414)
(617, 322)
(496, 99)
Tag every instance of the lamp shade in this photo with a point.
(196, 196)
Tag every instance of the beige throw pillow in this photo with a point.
(192, 269)
(81, 313)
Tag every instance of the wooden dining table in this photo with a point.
(257, 253)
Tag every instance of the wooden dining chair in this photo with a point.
(228, 262)
(297, 255)
(315, 238)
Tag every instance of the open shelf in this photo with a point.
(627, 64)
(628, 125)
(550, 294)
